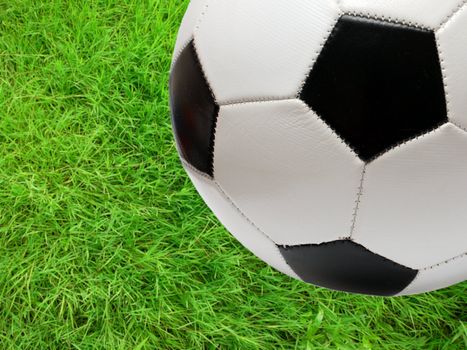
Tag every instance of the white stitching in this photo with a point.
(221, 190)
(445, 83)
(184, 162)
(389, 19)
(256, 100)
(198, 56)
(417, 277)
(192, 168)
(241, 212)
(266, 236)
(333, 132)
(444, 262)
(451, 15)
(410, 140)
(177, 56)
(444, 75)
(308, 110)
(357, 203)
(201, 66)
(458, 126)
(317, 53)
(322, 47)
(216, 117)
(310, 67)
(230, 201)
(184, 46)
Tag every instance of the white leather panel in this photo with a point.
(426, 13)
(287, 171)
(237, 224)
(189, 22)
(261, 49)
(452, 41)
(438, 277)
(412, 210)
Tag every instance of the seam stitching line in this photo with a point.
(322, 48)
(212, 149)
(212, 143)
(327, 126)
(318, 52)
(230, 201)
(378, 256)
(410, 140)
(407, 141)
(458, 126)
(388, 19)
(444, 75)
(269, 99)
(192, 168)
(444, 262)
(256, 100)
(198, 57)
(297, 96)
(342, 13)
(197, 24)
(381, 256)
(357, 203)
(456, 10)
(252, 224)
(208, 83)
(177, 55)
(240, 211)
(216, 112)
(426, 132)
(298, 245)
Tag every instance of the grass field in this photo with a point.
(104, 243)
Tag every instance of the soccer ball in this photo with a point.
(330, 136)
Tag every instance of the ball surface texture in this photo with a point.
(330, 136)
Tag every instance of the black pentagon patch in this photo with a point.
(194, 111)
(377, 84)
(347, 266)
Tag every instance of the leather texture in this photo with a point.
(379, 95)
(261, 49)
(427, 13)
(440, 276)
(281, 175)
(287, 171)
(452, 38)
(346, 266)
(249, 236)
(413, 207)
(194, 111)
(192, 15)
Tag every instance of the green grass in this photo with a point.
(104, 243)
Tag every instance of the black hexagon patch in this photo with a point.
(348, 266)
(377, 84)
